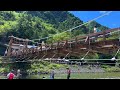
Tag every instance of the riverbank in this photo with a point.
(105, 75)
(36, 70)
(83, 73)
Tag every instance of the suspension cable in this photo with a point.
(81, 24)
(118, 45)
(85, 55)
(88, 46)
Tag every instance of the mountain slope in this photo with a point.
(40, 24)
(64, 20)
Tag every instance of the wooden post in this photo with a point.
(76, 41)
(41, 47)
(50, 46)
(26, 44)
(87, 41)
(10, 47)
(104, 38)
(58, 45)
(58, 49)
(46, 47)
(66, 43)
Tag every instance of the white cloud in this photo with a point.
(102, 12)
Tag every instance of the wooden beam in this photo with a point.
(10, 47)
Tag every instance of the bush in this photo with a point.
(4, 70)
(52, 66)
(44, 66)
(113, 69)
(105, 66)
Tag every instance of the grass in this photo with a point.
(3, 77)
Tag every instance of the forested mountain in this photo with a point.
(40, 24)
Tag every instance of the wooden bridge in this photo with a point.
(20, 49)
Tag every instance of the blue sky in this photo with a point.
(112, 20)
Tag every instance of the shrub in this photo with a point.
(113, 69)
(3, 70)
(44, 66)
(105, 66)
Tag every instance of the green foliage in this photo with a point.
(61, 36)
(40, 24)
(112, 69)
(105, 66)
(4, 68)
(44, 67)
(118, 55)
(54, 66)
(108, 68)
(7, 15)
(94, 56)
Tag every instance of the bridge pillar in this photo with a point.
(26, 44)
(66, 43)
(51, 46)
(58, 49)
(10, 46)
(87, 41)
(76, 44)
(104, 37)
